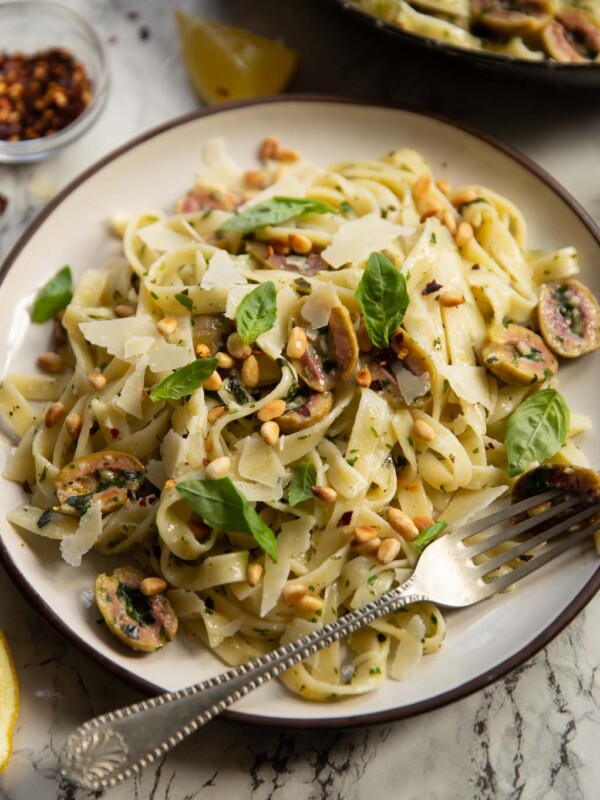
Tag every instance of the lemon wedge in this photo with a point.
(226, 63)
(9, 702)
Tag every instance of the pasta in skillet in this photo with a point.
(277, 397)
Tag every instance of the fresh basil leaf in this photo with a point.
(257, 312)
(536, 430)
(55, 296)
(274, 211)
(383, 298)
(184, 300)
(430, 533)
(303, 478)
(184, 381)
(224, 508)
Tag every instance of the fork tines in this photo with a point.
(566, 517)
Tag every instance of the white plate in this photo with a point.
(483, 642)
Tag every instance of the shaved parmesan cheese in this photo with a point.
(115, 334)
(468, 383)
(318, 304)
(255, 493)
(222, 169)
(88, 532)
(287, 186)
(258, 462)
(293, 540)
(272, 342)
(162, 238)
(411, 386)
(358, 238)
(222, 272)
(130, 398)
(235, 297)
(155, 473)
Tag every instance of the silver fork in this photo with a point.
(113, 747)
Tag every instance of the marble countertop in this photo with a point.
(533, 734)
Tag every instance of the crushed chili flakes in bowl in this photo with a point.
(41, 94)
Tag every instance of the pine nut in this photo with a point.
(423, 430)
(281, 248)
(309, 604)
(73, 424)
(167, 326)
(50, 362)
(218, 468)
(464, 234)
(299, 243)
(365, 345)
(250, 372)
(213, 383)
(214, 414)
(429, 209)
(152, 586)
(388, 550)
(269, 148)
(169, 484)
(449, 222)
(271, 410)
(466, 196)
(324, 493)
(96, 380)
(254, 573)
(451, 299)
(422, 523)
(59, 335)
(297, 343)
(363, 377)
(293, 592)
(237, 348)
(402, 524)
(202, 350)
(288, 155)
(224, 360)
(403, 353)
(269, 432)
(364, 533)
(443, 186)
(367, 548)
(256, 179)
(54, 414)
(421, 186)
(123, 310)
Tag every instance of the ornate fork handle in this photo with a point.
(113, 747)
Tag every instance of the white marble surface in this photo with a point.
(531, 735)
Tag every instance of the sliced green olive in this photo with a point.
(569, 318)
(211, 330)
(572, 37)
(141, 622)
(316, 407)
(517, 356)
(343, 344)
(108, 476)
(576, 480)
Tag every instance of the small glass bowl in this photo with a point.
(30, 26)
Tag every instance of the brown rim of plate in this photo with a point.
(486, 58)
(351, 721)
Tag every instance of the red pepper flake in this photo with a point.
(40, 94)
(345, 519)
(205, 462)
(114, 432)
(142, 502)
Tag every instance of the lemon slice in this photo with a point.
(226, 63)
(9, 702)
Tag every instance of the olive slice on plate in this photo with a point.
(142, 622)
(330, 357)
(343, 344)
(575, 480)
(304, 265)
(572, 37)
(404, 373)
(569, 318)
(517, 355)
(108, 476)
(316, 407)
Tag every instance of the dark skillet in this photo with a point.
(552, 71)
